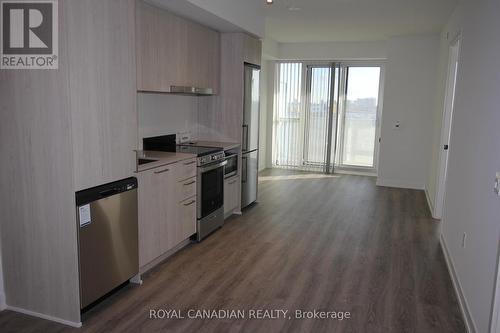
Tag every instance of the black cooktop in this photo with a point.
(167, 143)
(200, 151)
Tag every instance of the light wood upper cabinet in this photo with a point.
(173, 51)
(252, 50)
(161, 48)
(102, 76)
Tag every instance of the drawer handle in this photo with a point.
(189, 163)
(190, 203)
(161, 171)
(190, 183)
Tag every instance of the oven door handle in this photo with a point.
(231, 156)
(212, 166)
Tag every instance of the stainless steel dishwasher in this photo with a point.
(107, 238)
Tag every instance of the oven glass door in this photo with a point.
(212, 191)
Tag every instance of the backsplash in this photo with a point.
(161, 114)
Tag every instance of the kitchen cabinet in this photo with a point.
(167, 208)
(231, 195)
(173, 51)
(156, 211)
(187, 219)
(102, 75)
(252, 50)
(62, 131)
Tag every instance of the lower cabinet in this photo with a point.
(167, 209)
(187, 219)
(231, 195)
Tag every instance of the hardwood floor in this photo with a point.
(332, 243)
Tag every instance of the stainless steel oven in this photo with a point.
(231, 167)
(210, 198)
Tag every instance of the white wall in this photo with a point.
(221, 15)
(333, 51)
(474, 157)
(266, 113)
(2, 289)
(448, 35)
(410, 85)
(161, 114)
(249, 15)
(264, 95)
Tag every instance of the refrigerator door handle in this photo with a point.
(245, 137)
(244, 170)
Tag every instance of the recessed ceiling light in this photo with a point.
(269, 2)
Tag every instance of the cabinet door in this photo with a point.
(203, 57)
(187, 219)
(230, 194)
(252, 50)
(151, 214)
(169, 228)
(102, 76)
(162, 49)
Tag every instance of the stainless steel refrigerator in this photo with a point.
(250, 139)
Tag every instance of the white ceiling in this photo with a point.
(353, 20)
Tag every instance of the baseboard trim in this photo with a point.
(355, 173)
(43, 316)
(399, 184)
(462, 301)
(429, 203)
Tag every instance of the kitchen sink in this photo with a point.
(142, 161)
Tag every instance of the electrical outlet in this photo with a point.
(464, 238)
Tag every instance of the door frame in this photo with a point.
(331, 165)
(380, 106)
(446, 124)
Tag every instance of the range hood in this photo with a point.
(190, 90)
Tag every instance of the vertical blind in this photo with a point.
(288, 120)
(301, 112)
(313, 130)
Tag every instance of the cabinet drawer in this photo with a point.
(187, 218)
(187, 169)
(186, 189)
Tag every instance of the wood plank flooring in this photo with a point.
(332, 243)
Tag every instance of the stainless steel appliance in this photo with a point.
(231, 167)
(107, 238)
(210, 179)
(250, 139)
(210, 194)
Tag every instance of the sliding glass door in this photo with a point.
(325, 116)
(358, 119)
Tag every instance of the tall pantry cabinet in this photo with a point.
(62, 131)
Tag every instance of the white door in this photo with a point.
(446, 127)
